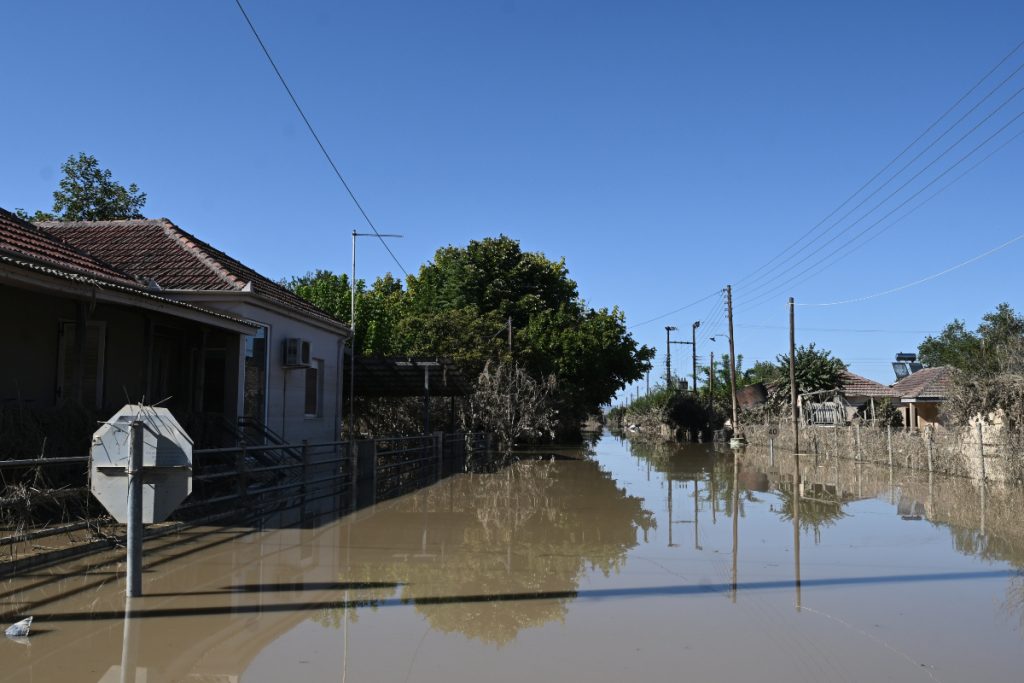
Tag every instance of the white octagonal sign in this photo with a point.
(166, 463)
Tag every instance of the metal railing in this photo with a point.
(329, 477)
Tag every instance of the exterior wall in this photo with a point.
(31, 355)
(286, 387)
(928, 414)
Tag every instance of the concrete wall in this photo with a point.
(285, 400)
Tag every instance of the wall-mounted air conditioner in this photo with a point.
(296, 353)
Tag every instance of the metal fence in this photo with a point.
(304, 479)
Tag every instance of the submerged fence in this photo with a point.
(977, 452)
(299, 480)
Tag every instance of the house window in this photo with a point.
(80, 376)
(314, 387)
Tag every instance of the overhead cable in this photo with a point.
(939, 274)
(927, 130)
(316, 137)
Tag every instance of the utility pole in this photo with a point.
(711, 380)
(668, 356)
(792, 378)
(648, 382)
(510, 334)
(352, 339)
(732, 361)
(694, 344)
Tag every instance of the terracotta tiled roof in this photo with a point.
(25, 242)
(160, 251)
(28, 247)
(928, 383)
(855, 385)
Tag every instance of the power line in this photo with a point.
(768, 293)
(316, 137)
(836, 329)
(889, 164)
(924, 279)
(912, 179)
(681, 308)
(827, 263)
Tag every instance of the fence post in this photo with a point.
(981, 450)
(888, 440)
(928, 437)
(305, 466)
(439, 454)
(243, 475)
(856, 436)
(134, 539)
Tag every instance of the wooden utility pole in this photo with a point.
(792, 376)
(711, 380)
(732, 362)
(668, 356)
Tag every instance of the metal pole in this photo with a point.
(510, 334)
(792, 376)
(668, 356)
(694, 345)
(426, 399)
(352, 348)
(732, 364)
(134, 577)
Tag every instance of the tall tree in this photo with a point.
(89, 193)
(978, 352)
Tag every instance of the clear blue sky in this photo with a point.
(663, 148)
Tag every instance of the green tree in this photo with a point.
(815, 370)
(89, 193)
(459, 305)
(979, 352)
(36, 217)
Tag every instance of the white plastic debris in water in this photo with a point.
(19, 630)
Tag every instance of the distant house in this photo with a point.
(78, 329)
(922, 394)
(292, 364)
(855, 395)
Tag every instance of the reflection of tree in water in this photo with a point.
(820, 507)
(488, 555)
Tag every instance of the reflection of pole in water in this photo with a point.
(714, 497)
(735, 519)
(982, 507)
(796, 531)
(669, 480)
(696, 519)
(129, 644)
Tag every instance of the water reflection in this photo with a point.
(471, 552)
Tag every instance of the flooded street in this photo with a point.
(623, 563)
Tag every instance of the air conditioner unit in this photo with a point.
(296, 353)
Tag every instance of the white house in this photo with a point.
(292, 368)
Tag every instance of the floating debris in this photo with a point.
(20, 629)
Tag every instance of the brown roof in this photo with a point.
(24, 242)
(855, 385)
(28, 247)
(927, 383)
(158, 250)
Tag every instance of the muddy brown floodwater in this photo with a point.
(628, 563)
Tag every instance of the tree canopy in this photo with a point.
(975, 352)
(459, 305)
(89, 193)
